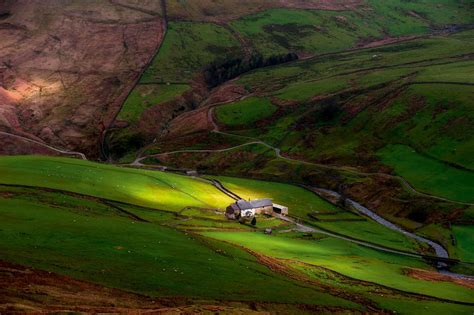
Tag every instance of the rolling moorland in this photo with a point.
(357, 115)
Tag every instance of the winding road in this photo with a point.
(278, 154)
(81, 155)
(440, 251)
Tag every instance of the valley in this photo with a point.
(128, 128)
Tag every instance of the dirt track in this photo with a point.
(66, 152)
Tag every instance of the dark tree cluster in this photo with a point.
(216, 74)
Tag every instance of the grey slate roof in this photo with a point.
(257, 203)
(244, 204)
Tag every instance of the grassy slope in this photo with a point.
(339, 66)
(279, 30)
(444, 136)
(407, 119)
(383, 299)
(187, 48)
(418, 16)
(110, 244)
(305, 90)
(245, 112)
(145, 188)
(146, 96)
(464, 235)
(138, 257)
(430, 175)
(348, 259)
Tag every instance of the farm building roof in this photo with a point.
(257, 203)
(244, 204)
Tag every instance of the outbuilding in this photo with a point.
(280, 209)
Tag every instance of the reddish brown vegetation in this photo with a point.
(223, 11)
(436, 276)
(15, 146)
(198, 120)
(28, 290)
(66, 68)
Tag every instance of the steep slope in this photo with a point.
(66, 68)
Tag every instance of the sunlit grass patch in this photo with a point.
(140, 187)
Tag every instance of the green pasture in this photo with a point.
(140, 257)
(146, 96)
(431, 58)
(348, 259)
(464, 236)
(429, 175)
(140, 187)
(277, 31)
(305, 90)
(381, 295)
(187, 48)
(419, 16)
(280, 30)
(245, 112)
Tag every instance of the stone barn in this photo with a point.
(244, 210)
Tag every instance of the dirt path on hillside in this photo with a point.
(81, 155)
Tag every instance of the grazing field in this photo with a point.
(140, 187)
(279, 30)
(245, 112)
(139, 257)
(464, 236)
(348, 259)
(442, 124)
(383, 298)
(189, 47)
(305, 90)
(375, 65)
(416, 93)
(146, 96)
(429, 175)
(415, 17)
